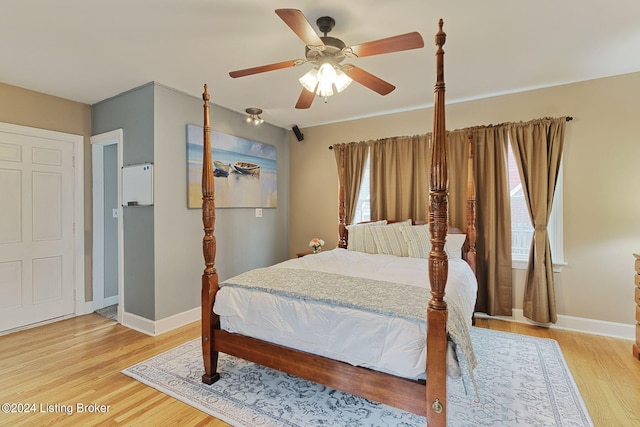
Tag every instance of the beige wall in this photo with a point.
(28, 108)
(601, 172)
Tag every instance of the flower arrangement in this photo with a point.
(316, 244)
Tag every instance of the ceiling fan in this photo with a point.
(327, 54)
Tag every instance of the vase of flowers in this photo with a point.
(316, 244)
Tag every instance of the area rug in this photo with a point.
(521, 381)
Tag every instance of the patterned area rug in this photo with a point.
(521, 381)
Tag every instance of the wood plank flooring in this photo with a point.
(78, 361)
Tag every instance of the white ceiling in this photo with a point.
(90, 50)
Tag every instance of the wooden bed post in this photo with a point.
(436, 390)
(342, 210)
(210, 321)
(472, 234)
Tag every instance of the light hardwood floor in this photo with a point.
(78, 361)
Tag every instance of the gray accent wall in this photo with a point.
(163, 243)
(133, 112)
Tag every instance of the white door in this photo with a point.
(107, 205)
(36, 229)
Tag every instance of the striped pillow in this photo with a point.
(389, 240)
(361, 238)
(418, 240)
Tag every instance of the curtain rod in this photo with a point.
(568, 118)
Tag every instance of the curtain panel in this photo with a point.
(494, 267)
(351, 160)
(457, 156)
(399, 173)
(537, 147)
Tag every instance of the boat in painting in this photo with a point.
(221, 169)
(246, 168)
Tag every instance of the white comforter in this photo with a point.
(387, 344)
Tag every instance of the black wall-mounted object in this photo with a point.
(299, 134)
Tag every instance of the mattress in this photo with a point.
(363, 338)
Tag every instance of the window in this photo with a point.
(363, 209)
(521, 229)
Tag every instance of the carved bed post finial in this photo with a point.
(438, 263)
(210, 320)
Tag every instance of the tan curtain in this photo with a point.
(399, 174)
(354, 157)
(494, 220)
(457, 153)
(537, 147)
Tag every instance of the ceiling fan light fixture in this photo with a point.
(342, 80)
(324, 79)
(324, 90)
(253, 116)
(326, 74)
(310, 80)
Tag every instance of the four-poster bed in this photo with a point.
(410, 394)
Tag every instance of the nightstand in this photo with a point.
(636, 345)
(301, 254)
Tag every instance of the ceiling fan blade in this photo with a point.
(391, 44)
(264, 68)
(374, 83)
(305, 99)
(296, 20)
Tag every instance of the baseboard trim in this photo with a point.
(138, 323)
(576, 324)
(157, 327)
(177, 320)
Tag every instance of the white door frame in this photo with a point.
(98, 142)
(78, 200)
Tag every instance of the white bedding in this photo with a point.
(387, 344)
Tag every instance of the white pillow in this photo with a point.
(389, 240)
(361, 238)
(418, 240)
(453, 245)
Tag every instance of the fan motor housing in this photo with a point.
(332, 49)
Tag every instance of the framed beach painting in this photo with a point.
(244, 171)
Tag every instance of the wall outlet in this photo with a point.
(258, 212)
(114, 213)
